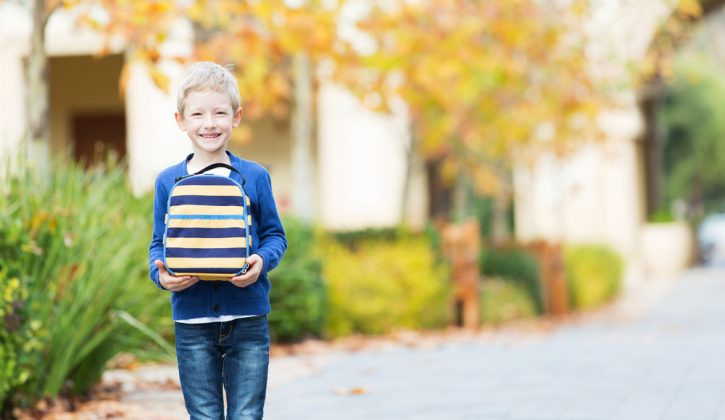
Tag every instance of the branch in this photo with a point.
(711, 6)
(51, 6)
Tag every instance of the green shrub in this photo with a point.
(352, 239)
(19, 341)
(516, 265)
(593, 274)
(298, 294)
(503, 301)
(661, 216)
(381, 286)
(73, 263)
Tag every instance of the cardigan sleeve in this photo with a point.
(272, 239)
(156, 249)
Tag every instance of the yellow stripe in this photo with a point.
(207, 276)
(206, 243)
(205, 262)
(219, 190)
(206, 223)
(215, 210)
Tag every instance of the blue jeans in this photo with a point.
(233, 355)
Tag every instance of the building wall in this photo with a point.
(14, 25)
(81, 85)
(597, 194)
(270, 147)
(12, 101)
(62, 40)
(362, 165)
(594, 195)
(154, 140)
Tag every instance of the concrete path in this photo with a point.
(658, 353)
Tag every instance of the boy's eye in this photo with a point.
(221, 113)
(196, 114)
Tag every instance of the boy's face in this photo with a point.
(208, 120)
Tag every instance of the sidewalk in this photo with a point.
(659, 353)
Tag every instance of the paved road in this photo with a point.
(658, 355)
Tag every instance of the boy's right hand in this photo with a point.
(175, 284)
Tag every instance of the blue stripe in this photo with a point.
(206, 252)
(208, 270)
(207, 180)
(206, 233)
(207, 216)
(207, 200)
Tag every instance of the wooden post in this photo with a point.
(461, 246)
(554, 290)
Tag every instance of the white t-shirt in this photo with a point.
(224, 318)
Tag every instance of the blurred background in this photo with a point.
(438, 164)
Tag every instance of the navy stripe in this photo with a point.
(206, 200)
(207, 270)
(207, 180)
(206, 252)
(206, 232)
(207, 216)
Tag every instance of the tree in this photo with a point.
(37, 77)
(483, 81)
(274, 45)
(277, 47)
(694, 153)
(651, 80)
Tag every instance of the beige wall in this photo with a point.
(62, 40)
(270, 147)
(14, 24)
(592, 196)
(154, 140)
(12, 100)
(362, 165)
(597, 194)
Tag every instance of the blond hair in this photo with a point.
(205, 75)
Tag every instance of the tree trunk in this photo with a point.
(459, 212)
(38, 147)
(409, 160)
(711, 6)
(499, 219)
(500, 232)
(653, 143)
(302, 171)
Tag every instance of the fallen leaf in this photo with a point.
(358, 390)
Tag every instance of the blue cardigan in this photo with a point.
(217, 298)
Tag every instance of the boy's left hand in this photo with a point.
(255, 267)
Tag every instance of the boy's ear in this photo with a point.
(238, 116)
(179, 121)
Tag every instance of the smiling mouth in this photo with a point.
(210, 136)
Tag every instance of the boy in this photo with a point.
(222, 338)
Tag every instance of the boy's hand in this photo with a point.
(175, 284)
(255, 267)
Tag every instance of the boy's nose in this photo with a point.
(209, 121)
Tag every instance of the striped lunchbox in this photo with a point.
(208, 223)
